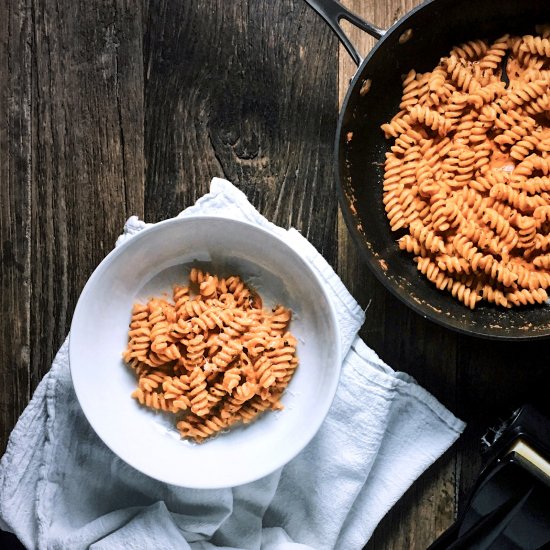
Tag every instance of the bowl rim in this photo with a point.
(133, 241)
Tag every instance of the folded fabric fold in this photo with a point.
(61, 487)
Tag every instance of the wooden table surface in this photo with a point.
(112, 108)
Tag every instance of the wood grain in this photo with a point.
(226, 96)
(88, 165)
(15, 212)
(71, 167)
(402, 339)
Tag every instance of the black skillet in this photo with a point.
(417, 41)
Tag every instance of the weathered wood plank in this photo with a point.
(382, 13)
(422, 513)
(15, 218)
(227, 96)
(87, 152)
(403, 339)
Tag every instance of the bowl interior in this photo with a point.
(149, 265)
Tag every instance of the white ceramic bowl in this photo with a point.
(148, 265)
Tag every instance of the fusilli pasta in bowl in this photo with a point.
(205, 352)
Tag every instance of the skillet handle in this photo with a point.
(332, 11)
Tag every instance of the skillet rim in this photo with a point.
(361, 240)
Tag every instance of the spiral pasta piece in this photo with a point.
(467, 295)
(493, 57)
(524, 147)
(460, 74)
(175, 386)
(181, 296)
(524, 297)
(152, 400)
(413, 87)
(536, 44)
(249, 410)
(199, 429)
(471, 50)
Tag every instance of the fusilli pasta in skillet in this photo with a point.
(213, 356)
(467, 178)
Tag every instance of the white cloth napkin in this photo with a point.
(62, 488)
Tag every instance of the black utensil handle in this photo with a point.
(332, 11)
